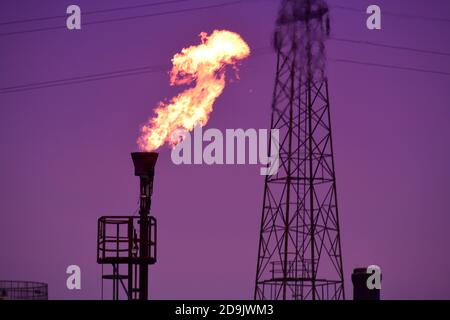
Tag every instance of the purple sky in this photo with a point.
(65, 150)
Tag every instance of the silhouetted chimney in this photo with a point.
(144, 168)
(360, 289)
(144, 163)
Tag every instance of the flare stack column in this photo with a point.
(144, 168)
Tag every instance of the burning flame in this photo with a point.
(203, 64)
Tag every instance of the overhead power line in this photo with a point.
(154, 4)
(83, 79)
(394, 14)
(255, 52)
(382, 45)
(153, 69)
(391, 66)
(102, 76)
(150, 15)
(95, 75)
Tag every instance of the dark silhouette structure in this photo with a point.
(299, 254)
(360, 289)
(130, 241)
(23, 290)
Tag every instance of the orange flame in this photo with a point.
(203, 64)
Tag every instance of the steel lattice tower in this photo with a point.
(299, 253)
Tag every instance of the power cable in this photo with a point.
(93, 12)
(161, 68)
(382, 45)
(390, 66)
(394, 14)
(150, 15)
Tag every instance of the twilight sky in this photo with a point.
(65, 150)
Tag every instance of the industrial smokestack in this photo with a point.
(130, 241)
(360, 287)
(144, 168)
(144, 163)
